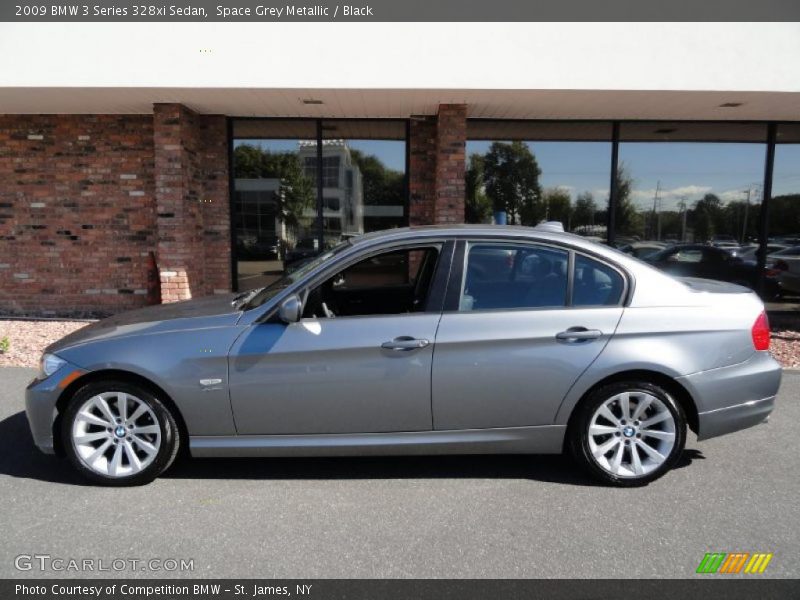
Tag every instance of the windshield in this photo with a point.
(257, 297)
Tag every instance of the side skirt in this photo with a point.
(546, 439)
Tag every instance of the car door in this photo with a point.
(510, 346)
(366, 370)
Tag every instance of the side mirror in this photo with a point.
(290, 309)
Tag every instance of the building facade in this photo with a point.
(118, 190)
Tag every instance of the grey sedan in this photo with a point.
(462, 340)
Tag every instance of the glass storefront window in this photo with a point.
(274, 203)
(278, 222)
(690, 183)
(528, 172)
(783, 248)
(366, 189)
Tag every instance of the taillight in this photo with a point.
(760, 332)
(776, 269)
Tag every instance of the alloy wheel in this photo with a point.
(631, 434)
(116, 434)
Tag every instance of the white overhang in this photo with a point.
(500, 70)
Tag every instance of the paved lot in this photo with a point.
(412, 517)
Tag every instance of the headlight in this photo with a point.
(50, 364)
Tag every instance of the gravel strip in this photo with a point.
(29, 338)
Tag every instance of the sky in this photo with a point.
(682, 171)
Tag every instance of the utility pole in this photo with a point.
(746, 210)
(657, 211)
(682, 207)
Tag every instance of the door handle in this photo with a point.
(404, 344)
(578, 334)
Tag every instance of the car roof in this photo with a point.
(476, 230)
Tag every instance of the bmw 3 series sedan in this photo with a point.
(457, 340)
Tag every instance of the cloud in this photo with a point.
(670, 198)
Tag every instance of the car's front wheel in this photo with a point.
(117, 433)
(628, 433)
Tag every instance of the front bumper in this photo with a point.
(736, 397)
(41, 396)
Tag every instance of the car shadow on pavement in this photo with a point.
(20, 458)
(545, 468)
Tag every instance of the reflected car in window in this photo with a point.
(783, 266)
(710, 262)
(439, 340)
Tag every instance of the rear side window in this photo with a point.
(508, 276)
(595, 284)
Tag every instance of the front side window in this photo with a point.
(392, 282)
(508, 276)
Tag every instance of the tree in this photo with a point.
(477, 206)
(707, 217)
(296, 192)
(585, 210)
(628, 220)
(558, 206)
(382, 186)
(511, 181)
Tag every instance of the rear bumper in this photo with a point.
(732, 398)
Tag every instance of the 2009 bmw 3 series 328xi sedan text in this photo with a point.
(458, 340)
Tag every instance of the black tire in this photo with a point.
(578, 432)
(169, 432)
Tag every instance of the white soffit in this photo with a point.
(401, 103)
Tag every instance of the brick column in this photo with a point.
(177, 202)
(438, 166)
(191, 184)
(451, 141)
(215, 204)
(422, 171)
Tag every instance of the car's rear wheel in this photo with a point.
(117, 433)
(628, 433)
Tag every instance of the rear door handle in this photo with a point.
(578, 334)
(404, 344)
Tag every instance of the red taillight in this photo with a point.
(760, 332)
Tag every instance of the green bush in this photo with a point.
(5, 344)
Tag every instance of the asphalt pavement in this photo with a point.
(477, 517)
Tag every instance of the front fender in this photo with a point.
(175, 361)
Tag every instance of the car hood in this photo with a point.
(210, 311)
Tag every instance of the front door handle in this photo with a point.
(404, 344)
(578, 334)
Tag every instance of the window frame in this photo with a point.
(458, 276)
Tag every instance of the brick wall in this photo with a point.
(84, 201)
(77, 213)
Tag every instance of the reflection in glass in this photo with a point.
(678, 192)
(523, 182)
(278, 225)
(274, 209)
(783, 252)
